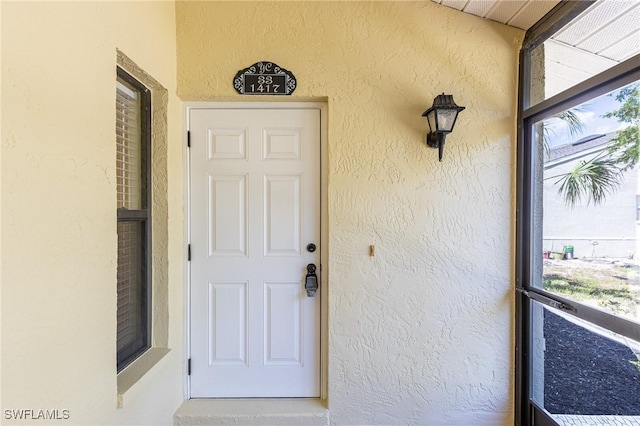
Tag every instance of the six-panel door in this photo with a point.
(255, 206)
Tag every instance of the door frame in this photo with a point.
(324, 234)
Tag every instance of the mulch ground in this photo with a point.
(585, 373)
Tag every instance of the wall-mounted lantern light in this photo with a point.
(441, 118)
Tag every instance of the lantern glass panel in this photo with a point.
(446, 119)
(431, 119)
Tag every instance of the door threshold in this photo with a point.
(249, 412)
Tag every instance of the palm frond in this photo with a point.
(569, 118)
(574, 123)
(592, 180)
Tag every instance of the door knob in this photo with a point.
(311, 280)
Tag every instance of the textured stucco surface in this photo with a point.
(59, 239)
(422, 332)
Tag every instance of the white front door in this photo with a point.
(255, 209)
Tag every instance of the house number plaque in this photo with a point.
(264, 78)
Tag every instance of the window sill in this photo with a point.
(134, 372)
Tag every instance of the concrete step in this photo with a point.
(250, 412)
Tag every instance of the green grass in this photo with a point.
(611, 287)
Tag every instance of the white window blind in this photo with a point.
(128, 146)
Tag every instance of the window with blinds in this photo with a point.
(133, 126)
(128, 146)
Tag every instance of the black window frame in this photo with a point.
(143, 216)
(527, 412)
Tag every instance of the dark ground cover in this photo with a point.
(585, 373)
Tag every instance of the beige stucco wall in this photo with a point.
(422, 332)
(58, 208)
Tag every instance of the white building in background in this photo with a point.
(605, 230)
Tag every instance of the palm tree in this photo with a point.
(594, 179)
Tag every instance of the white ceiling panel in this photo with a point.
(600, 16)
(480, 8)
(610, 34)
(503, 11)
(624, 49)
(531, 13)
(517, 13)
(610, 28)
(455, 4)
